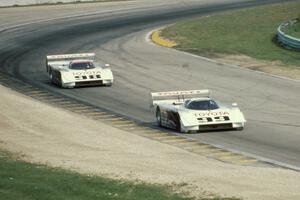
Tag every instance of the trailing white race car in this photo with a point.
(74, 70)
(194, 110)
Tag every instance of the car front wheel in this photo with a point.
(158, 117)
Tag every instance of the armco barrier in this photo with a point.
(286, 40)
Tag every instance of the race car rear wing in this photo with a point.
(177, 97)
(54, 59)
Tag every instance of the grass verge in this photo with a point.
(21, 180)
(248, 32)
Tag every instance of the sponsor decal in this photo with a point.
(211, 114)
(86, 73)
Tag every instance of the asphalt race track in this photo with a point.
(270, 104)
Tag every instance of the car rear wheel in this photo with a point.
(158, 117)
(59, 80)
(51, 75)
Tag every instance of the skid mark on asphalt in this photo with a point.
(125, 124)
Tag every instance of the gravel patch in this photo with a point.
(45, 134)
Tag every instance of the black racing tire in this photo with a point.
(178, 123)
(59, 81)
(240, 129)
(158, 117)
(51, 75)
(55, 78)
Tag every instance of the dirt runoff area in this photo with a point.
(42, 133)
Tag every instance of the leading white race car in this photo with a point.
(194, 110)
(73, 70)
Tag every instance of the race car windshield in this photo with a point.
(82, 65)
(202, 105)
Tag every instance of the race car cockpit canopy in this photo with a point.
(201, 104)
(81, 65)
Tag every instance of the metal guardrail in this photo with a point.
(286, 40)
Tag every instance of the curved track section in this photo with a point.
(269, 103)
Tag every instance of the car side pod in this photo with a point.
(240, 125)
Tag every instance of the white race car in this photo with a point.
(194, 110)
(75, 70)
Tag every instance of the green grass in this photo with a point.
(249, 31)
(21, 180)
(294, 30)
